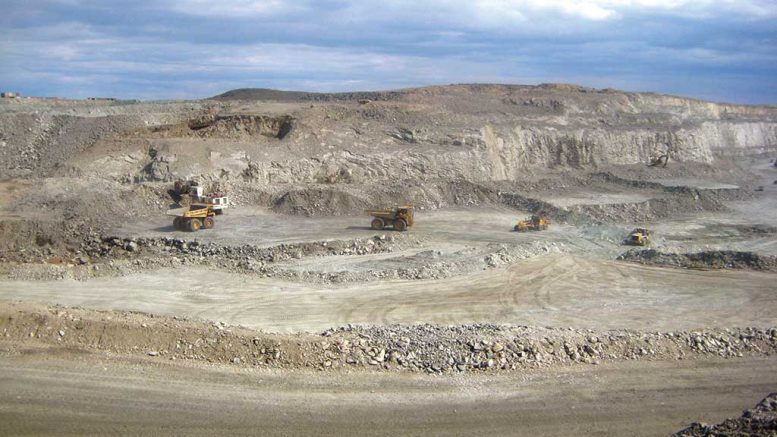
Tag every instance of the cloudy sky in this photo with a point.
(723, 50)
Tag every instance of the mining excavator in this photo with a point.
(534, 223)
(399, 218)
(186, 193)
(660, 160)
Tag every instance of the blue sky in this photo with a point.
(722, 50)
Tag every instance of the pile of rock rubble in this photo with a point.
(414, 348)
(760, 420)
(114, 256)
(435, 349)
(104, 256)
(711, 259)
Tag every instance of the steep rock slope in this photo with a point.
(472, 132)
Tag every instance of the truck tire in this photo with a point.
(178, 223)
(194, 225)
(208, 223)
(377, 224)
(400, 225)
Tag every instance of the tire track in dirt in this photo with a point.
(550, 290)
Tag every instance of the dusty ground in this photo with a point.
(546, 291)
(568, 276)
(636, 349)
(138, 376)
(56, 393)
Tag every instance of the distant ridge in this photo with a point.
(462, 90)
(295, 96)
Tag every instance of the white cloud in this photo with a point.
(589, 9)
(348, 64)
(342, 45)
(236, 8)
(503, 11)
(474, 13)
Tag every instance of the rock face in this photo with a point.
(471, 132)
(41, 140)
(530, 127)
(337, 154)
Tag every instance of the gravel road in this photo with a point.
(552, 290)
(60, 392)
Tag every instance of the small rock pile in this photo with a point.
(508, 255)
(758, 421)
(432, 264)
(241, 258)
(117, 256)
(437, 349)
(712, 259)
(100, 247)
(108, 256)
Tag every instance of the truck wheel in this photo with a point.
(178, 224)
(377, 224)
(208, 223)
(400, 225)
(194, 225)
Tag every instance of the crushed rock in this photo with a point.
(711, 259)
(116, 256)
(760, 420)
(409, 348)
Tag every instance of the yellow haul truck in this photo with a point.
(399, 218)
(193, 218)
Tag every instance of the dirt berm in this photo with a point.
(418, 348)
(711, 259)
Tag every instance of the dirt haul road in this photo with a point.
(544, 291)
(565, 276)
(62, 393)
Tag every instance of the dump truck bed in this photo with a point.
(177, 212)
(388, 212)
(198, 210)
(382, 213)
